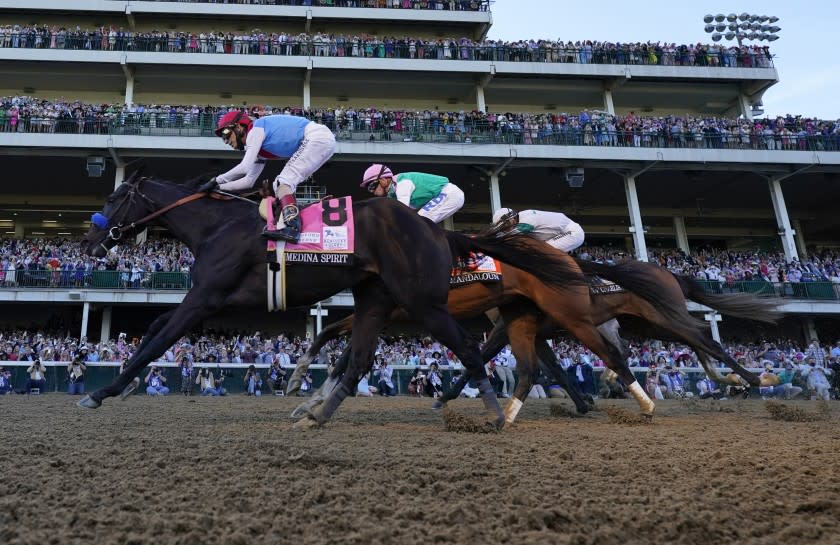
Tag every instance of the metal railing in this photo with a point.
(182, 281)
(790, 290)
(418, 49)
(446, 5)
(437, 131)
(107, 280)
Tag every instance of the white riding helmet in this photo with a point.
(500, 213)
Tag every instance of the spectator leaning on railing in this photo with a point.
(259, 42)
(585, 128)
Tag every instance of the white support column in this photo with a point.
(479, 98)
(120, 176)
(495, 195)
(786, 232)
(20, 230)
(713, 318)
(310, 328)
(745, 106)
(129, 90)
(319, 313)
(85, 317)
(105, 331)
(128, 71)
(810, 329)
(799, 236)
(608, 101)
(682, 236)
(637, 229)
(307, 87)
(480, 83)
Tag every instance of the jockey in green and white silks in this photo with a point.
(555, 228)
(433, 196)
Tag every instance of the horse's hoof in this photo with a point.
(128, 390)
(648, 417)
(292, 387)
(307, 423)
(88, 402)
(499, 423)
(304, 409)
(584, 408)
(438, 404)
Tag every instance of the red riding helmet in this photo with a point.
(232, 118)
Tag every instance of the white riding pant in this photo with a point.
(568, 240)
(448, 201)
(316, 148)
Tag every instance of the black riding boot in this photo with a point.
(291, 217)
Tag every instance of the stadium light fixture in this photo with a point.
(752, 26)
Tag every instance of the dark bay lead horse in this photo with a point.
(400, 260)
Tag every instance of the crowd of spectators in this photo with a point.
(60, 262)
(259, 42)
(584, 128)
(279, 353)
(728, 266)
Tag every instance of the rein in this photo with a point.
(115, 233)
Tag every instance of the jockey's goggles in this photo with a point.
(226, 132)
(371, 186)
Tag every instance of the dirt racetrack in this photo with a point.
(233, 471)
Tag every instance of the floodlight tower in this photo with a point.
(747, 26)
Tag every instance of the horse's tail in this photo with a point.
(739, 305)
(523, 252)
(642, 283)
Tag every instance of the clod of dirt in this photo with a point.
(562, 411)
(455, 421)
(617, 415)
(780, 411)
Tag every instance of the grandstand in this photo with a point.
(478, 112)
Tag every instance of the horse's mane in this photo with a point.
(199, 180)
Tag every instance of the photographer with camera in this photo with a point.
(434, 382)
(5, 381)
(253, 381)
(417, 383)
(207, 383)
(37, 377)
(384, 373)
(186, 368)
(76, 377)
(276, 377)
(156, 382)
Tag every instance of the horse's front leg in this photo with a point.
(197, 306)
(495, 343)
(373, 308)
(326, 389)
(332, 331)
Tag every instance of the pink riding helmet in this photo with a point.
(374, 172)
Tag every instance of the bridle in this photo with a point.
(116, 232)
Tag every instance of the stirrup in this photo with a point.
(289, 235)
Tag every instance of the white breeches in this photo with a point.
(317, 147)
(449, 200)
(569, 240)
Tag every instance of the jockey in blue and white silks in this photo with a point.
(307, 145)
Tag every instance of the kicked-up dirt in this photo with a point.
(232, 470)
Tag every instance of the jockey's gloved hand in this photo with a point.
(212, 185)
